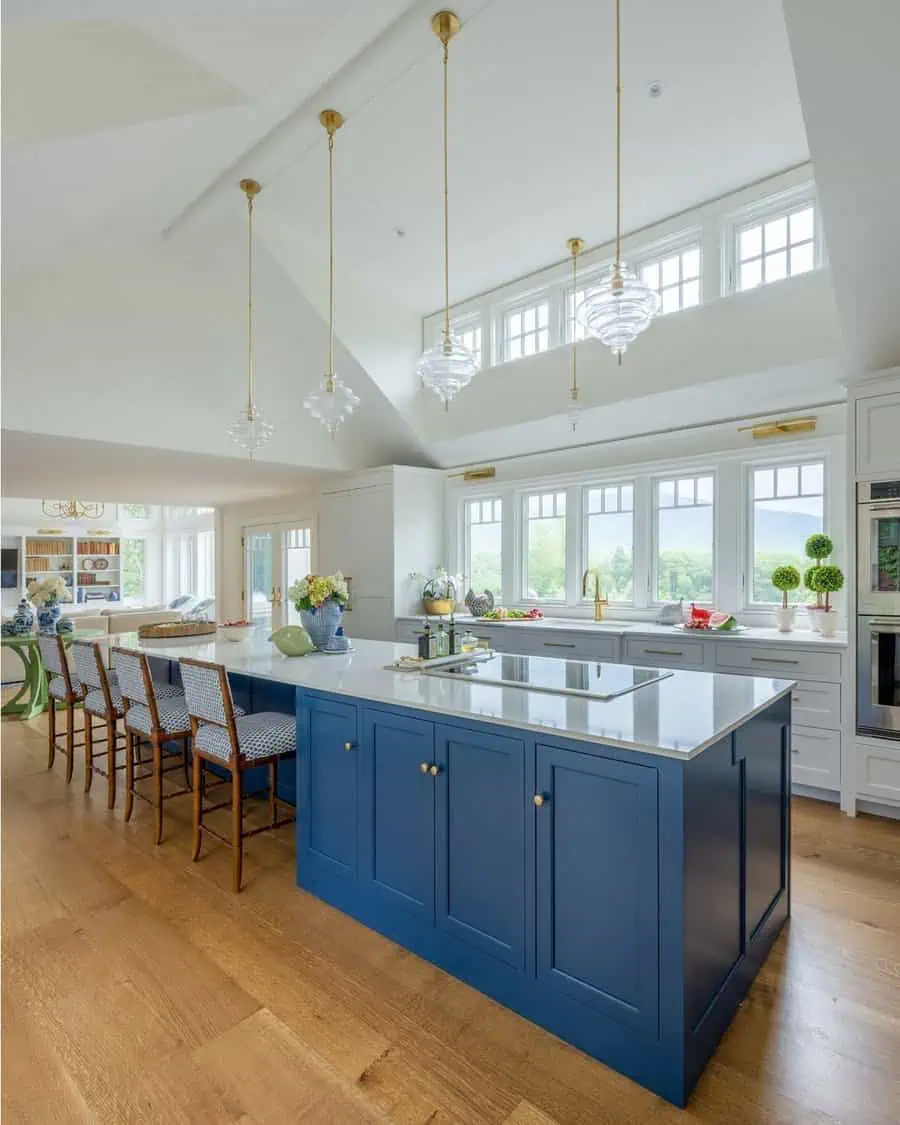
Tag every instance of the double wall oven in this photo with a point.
(878, 610)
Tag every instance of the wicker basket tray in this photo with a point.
(167, 630)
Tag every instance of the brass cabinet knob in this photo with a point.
(539, 799)
(349, 745)
(423, 766)
(435, 770)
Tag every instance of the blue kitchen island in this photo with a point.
(615, 870)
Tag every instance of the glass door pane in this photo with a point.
(296, 563)
(886, 554)
(259, 591)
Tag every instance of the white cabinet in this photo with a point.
(660, 651)
(816, 758)
(878, 771)
(877, 430)
(377, 528)
(775, 661)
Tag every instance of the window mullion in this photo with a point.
(574, 518)
(643, 516)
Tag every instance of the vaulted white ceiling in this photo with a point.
(127, 127)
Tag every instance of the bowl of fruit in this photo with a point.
(235, 630)
(501, 614)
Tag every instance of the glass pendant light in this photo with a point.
(573, 413)
(250, 430)
(448, 366)
(621, 307)
(333, 402)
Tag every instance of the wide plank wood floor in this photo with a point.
(137, 988)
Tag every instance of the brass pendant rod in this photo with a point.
(618, 139)
(331, 261)
(446, 42)
(574, 247)
(249, 307)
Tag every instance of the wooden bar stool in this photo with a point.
(65, 688)
(221, 735)
(102, 700)
(152, 718)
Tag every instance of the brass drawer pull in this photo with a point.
(423, 766)
(435, 770)
(771, 660)
(349, 745)
(662, 652)
(539, 799)
(559, 644)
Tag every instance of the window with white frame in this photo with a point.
(685, 553)
(483, 564)
(526, 330)
(778, 246)
(545, 547)
(787, 504)
(135, 511)
(675, 277)
(609, 538)
(575, 330)
(471, 339)
(206, 564)
(134, 569)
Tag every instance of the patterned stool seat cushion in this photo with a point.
(173, 716)
(95, 702)
(263, 735)
(57, 687)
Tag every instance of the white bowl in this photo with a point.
(235, 632)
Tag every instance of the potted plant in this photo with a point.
(785, 578)
(439, 590)
(320, 601)
(818, 547)
(46, 596)
(827, 580)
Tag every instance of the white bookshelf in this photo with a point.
(78, 559)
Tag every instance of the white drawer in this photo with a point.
(665, 653)
(757, 660)
(502, 639)
(816, 757)
(816, 705)
(878, 771)
(573, 646)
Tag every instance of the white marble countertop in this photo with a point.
(679, 717)
(802, 637)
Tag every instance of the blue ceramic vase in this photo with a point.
(23, 619)
(48, 616)
(322, 623)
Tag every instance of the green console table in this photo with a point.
(31, 698)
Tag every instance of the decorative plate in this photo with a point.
(88, 564)
(101, 564)
(711, 632)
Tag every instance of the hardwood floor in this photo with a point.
(137, 988)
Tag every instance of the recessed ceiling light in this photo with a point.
(655, 89)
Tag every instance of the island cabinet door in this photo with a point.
(598, 884)
(328, 768)
(481, 817)
(763, 746)
(397, 811)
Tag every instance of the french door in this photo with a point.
(275, 556)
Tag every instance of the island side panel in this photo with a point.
(736, 872)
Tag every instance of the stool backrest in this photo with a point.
(207, 692)
(53, 657)
(135, 681)
(91, 670)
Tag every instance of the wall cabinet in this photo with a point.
(877, 427)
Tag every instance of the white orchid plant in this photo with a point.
(48, 591)
(440, 583)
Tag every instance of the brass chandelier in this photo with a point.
(72, 509)
(448, 366)
(621, 306)
(333, 401)
(250, 430)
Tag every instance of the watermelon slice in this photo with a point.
(724, 622)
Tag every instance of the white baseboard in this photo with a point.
(878, 808)
(830, 796)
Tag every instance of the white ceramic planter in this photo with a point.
(827, 622)
(784, 618)
(812, 612)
